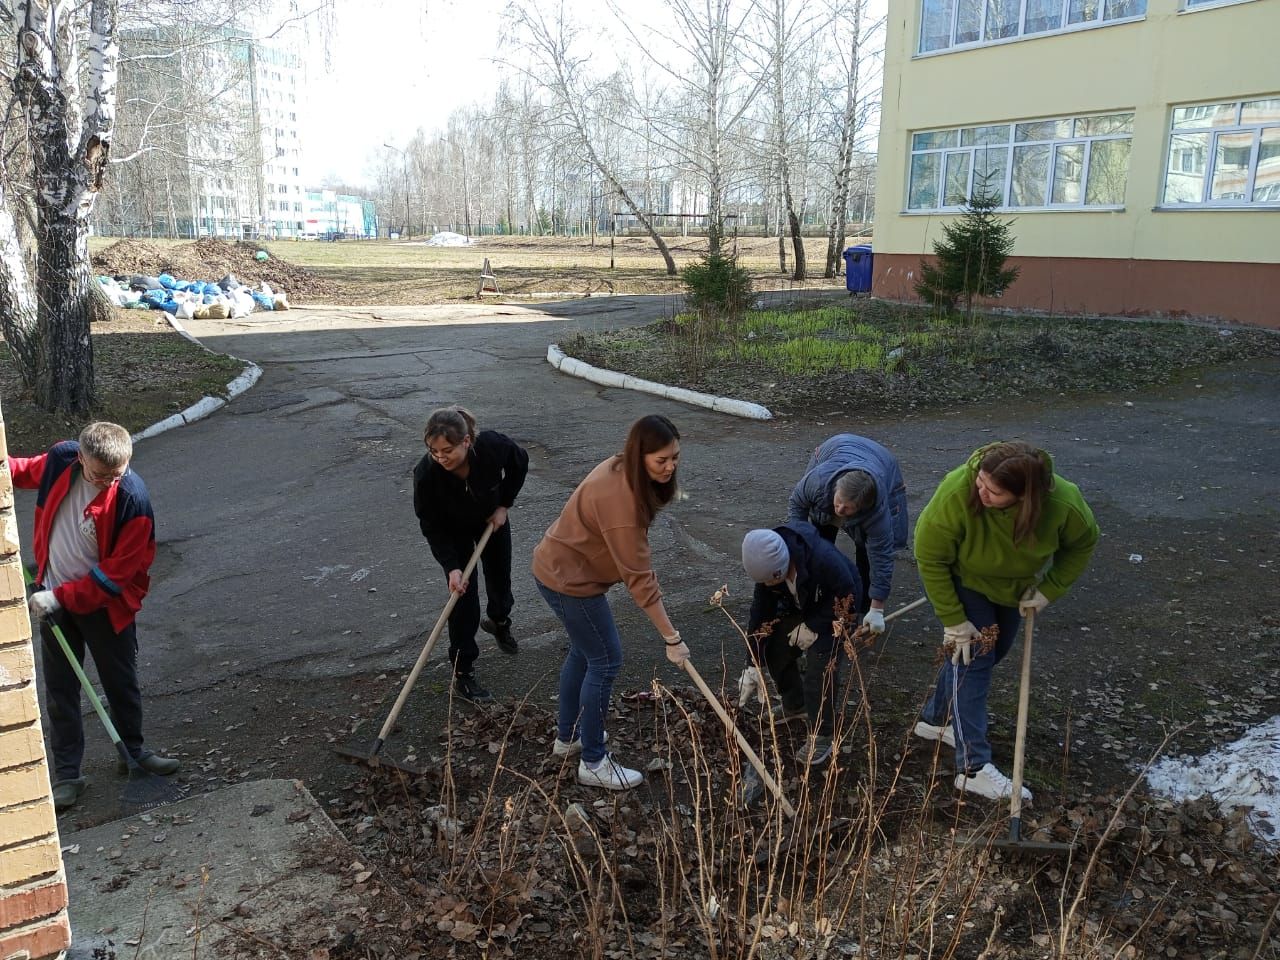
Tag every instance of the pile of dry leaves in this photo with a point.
(495, 851)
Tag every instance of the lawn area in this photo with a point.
(410, 272)
(874, 355)
(144, 372)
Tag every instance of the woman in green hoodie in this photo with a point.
(1003, 535)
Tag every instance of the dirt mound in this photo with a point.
(212, 259)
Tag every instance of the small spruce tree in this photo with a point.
(970, 257)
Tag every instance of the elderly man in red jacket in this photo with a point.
(94, 543)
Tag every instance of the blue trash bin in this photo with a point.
(857, 269)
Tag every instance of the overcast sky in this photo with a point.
(396, 65)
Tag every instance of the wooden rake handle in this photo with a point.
(430, 645)
(756, 762)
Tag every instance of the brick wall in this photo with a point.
(33, 889)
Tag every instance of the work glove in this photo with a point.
(874, 621)
(43, 603)
(958, 640)
(751, 683)
(802, 637)
(677, 649)
(1033, 601)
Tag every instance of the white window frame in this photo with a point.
(1211, 158)
(1098, 22)
(1195, 6)
(1010, 145)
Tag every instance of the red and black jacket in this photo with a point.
(126, 534)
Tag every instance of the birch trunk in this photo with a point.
(18, 319)
(70, 140)
(849, 125)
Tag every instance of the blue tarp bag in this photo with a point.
(167, 281)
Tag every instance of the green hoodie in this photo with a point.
(979, 550)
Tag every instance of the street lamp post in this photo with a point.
(404, 156)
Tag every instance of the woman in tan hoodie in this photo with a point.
(602, 538)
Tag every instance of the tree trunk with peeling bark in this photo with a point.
(18, 319)
(70, 137)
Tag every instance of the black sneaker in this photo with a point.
(466, 688)
(501, 630)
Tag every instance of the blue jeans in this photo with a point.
(586, 679)
(961, 691)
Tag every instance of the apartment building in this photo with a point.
(1136, 143)
(209, 135)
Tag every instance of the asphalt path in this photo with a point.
(288, 547)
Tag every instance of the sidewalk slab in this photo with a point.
(190, 879)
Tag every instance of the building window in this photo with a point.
(945, 24)
(1051, 164)
(1224, 154)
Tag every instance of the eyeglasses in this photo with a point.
(107, 478)
(444, 453)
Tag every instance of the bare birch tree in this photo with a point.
(708, 81)
(561, 71)
(787, 28)
(860, 51)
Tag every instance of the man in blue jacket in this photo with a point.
(803, 586)
(855, 483)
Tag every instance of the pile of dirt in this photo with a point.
(496, 848)
(211, 259)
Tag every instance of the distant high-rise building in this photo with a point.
(210, 137)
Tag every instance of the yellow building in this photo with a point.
(1135, 142)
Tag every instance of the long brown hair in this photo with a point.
(1022, 470)
(455, 424)
(645, 436)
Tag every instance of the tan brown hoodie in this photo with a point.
(599, 540)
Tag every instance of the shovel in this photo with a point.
(144, 789)
(373, 758)
(729, 725)
(1014, 842)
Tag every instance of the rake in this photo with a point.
(373, 756)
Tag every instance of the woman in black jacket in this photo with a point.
(466, 481)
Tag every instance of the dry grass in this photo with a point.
(410, 272)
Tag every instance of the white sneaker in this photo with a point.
(990, 783)
(927, 731)
(609, 774)
(562, 749)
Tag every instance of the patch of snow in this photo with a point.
(446, 239)
(1245, 773)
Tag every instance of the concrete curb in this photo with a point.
(205, 405)
(611, 378)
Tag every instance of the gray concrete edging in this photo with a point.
(611, 378)
(205, 405)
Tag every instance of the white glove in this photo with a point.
(1033, 601)
(802, 637)
(874, 621)
(751, 683)
(677, 649)
(959, 640)
(43, 603)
